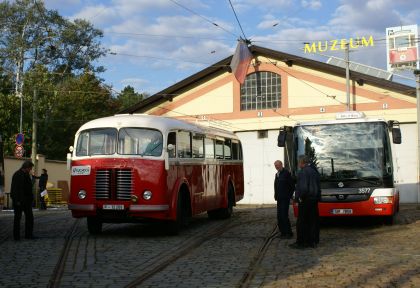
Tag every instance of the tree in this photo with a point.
(311, 153)
(45, 55)
(33, 35)
(128, 97)
(75, 101)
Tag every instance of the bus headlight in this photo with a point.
(147, 195)
(382, 200)
(82, 194)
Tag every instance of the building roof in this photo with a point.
(222, 66)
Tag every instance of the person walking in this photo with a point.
(283, 190)
(42, 184)
(307, 194)
(21, 194)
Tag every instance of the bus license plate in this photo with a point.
(342, 211)
(113, 207)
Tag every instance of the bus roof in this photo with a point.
(340, 121)
(344, 117)
(163, 124)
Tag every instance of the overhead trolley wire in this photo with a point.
(204, 18)
(239, 23)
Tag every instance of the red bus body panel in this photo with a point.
(363, 208)
(206, 182)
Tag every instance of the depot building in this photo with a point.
(283, 89)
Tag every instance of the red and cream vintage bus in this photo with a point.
(128, 168)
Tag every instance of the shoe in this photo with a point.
(32, 237)
(296, 246)
(313, 245)
(286, 236)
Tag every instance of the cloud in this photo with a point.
(137, 83)
(313, 4)
(368, 15)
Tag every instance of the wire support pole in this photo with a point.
(417, 75)
(346, 51)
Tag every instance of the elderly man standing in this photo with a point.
(283, 190)
(22, 196)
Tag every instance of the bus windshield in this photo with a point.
(131, 141)
(346, 151)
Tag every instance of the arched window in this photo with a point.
(261, 90)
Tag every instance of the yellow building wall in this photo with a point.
(307, 95)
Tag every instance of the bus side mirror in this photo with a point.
(281, 139)
(396, 135)
(68, 162)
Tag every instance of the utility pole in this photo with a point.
(18, 90)
(417, 75)
(346, 58)
(34, 132)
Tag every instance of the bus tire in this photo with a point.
(94, 225)
(183, 214)
(390, 220)
(224, 213)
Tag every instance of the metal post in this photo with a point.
(347, 76)
(34, 147)
(417, 75)
(18, 91)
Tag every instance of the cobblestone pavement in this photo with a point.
(239, 252)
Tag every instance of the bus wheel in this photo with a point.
(183, 215)
(94, 225)
(224, 213)
(390, 220)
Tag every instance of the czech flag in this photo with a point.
(240, 61)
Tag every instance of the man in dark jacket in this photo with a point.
(21, 193)
(308, 193)
(283, 190)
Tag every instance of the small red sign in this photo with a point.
(19, 151)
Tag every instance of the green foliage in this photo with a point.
(128, 97)
(310, 152)
(54, 59)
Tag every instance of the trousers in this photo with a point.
(29, 220)
(283, 221)
(307, 225)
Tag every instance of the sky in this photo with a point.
(154, 44)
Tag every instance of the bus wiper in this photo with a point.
(365, 179)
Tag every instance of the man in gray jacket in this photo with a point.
(308, 194)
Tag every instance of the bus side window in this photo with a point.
(184, 144)
(227, 149)
(198, 146)
(172, 140)
(82, 144)
(209, 145)
(235, 150)
(219, 149)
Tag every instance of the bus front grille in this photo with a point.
(124, 185)
(113, 184)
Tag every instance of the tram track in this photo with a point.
(180, 251)
(256, 261)
(60, 266)
(187, 247)
(79, 252)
